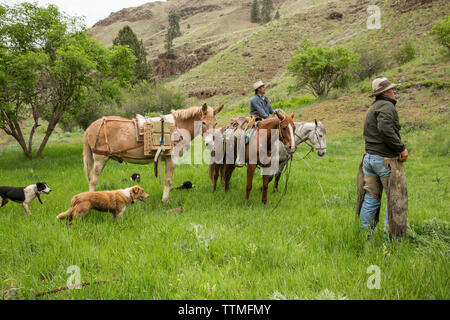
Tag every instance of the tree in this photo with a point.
(322, 68)
(266, 11)
(126, 37)
(49, 65)
(405, 53)
(254, 14)
(277, 15)
(441, 30)
(172, 32)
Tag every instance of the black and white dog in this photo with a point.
(23, 195)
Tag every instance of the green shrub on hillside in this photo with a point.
(152, 99)
(371, 62)
(441, 30)
(321, 69)
(292, 103)
(406, 53)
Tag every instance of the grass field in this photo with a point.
(218, 248)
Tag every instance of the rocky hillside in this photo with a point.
(208, 27)
(222, 53)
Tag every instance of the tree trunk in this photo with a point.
(51, 127)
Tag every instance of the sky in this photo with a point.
(92, 10)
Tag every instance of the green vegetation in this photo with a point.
(172, 32)
(50, 66)
(218, 248)
(441, 30)
(292, 103)
(405, 53)
(321, 69)
(266, 11)
(143, 69)
(254, 13)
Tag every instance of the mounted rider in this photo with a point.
(259, 104)
(382, 165)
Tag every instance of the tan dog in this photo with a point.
(106, 201)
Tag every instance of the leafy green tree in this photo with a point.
(254, 14)
(441, 30)
(321, 69)
(49, 65)
(266, 11)
(172, 32)
(143, 69)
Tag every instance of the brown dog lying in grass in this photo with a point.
(106, 201)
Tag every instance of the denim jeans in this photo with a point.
(373, 165)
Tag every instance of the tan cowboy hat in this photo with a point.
(258, 85)
(380, 85)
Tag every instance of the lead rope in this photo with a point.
(286, 169)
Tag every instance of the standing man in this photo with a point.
(260, 105)
(382, 165)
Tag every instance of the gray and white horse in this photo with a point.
(304, 131)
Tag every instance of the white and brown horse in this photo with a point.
(115, 137)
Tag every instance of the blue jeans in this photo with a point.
(373, 165)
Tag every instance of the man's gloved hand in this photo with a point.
(403, 156)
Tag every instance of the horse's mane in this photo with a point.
(189, 113)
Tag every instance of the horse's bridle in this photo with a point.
(318, 140)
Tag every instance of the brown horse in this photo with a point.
(115, 137)
(285, 127)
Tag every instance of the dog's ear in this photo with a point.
(41, 186)
(292, 115)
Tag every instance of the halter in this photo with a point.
(310, 145)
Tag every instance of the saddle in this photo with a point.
(246, 124)
(156, 133)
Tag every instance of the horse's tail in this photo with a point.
(87, 157)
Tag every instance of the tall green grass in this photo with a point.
(219, 248)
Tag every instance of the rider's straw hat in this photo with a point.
(258, 85)
(380, 85)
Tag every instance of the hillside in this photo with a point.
(222, 54)
(208, 27)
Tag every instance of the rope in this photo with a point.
(288, 170)
(321, 189)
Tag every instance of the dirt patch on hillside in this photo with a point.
(166, 66)
(192, 11)
(410, 5)
(129, 14)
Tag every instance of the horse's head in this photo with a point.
(318, 138)
(209, 123)
(287, 128)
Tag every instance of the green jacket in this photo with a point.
(382, 129)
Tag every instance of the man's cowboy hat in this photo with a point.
(258, 85)
(380, 85)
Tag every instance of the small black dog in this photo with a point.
(135, 177)
(24, 195)
(186, 185)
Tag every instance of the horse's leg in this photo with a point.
(229, 168)
(264, 189)
(250, 173)
(99, 164)
(215, 176)
(170, 168)
(278, 176)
